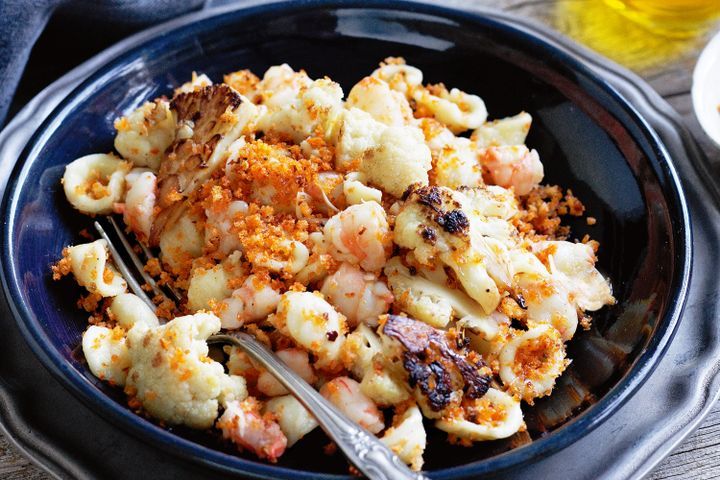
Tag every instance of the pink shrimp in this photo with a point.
(139, 202)
(243, 423)
(359, 235)
(253, 301)
(358, 295)
(345, 393)
(297, 360)
(514, 166)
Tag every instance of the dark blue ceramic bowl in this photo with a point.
(589, 138)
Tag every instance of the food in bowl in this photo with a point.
(395, 262)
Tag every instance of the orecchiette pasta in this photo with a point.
(532, 361)
(546, 301)
(506, 131)
(90, 266)
(407, 437)
(94, 183)
(455, 109)
(129, 309)
(293, 255)
(356, 191)
(106, 353)
(496, 415)
(401, 77)
(574, 263)
(294, 419)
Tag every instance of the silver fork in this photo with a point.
(361, 447)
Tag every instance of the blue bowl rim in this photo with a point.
(572, 431)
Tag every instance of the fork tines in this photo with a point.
(129, 252)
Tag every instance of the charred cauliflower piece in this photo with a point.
(438, 365)
(208, 120)
(438, 223)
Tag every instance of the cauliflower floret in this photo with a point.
(298, 106)
(383, 388)
(385, 105)
(281, 85)
(106, 353)
(207, 285)
(359, 349)
(505, 131)
(357, 133)
(145, 134)
(439, 224)
(407, 437)
(455, 159)
(196, 83)
(433, 302)
(400, 160)
(491, 201)
(173, 378)
(415, 295)
(457, 165)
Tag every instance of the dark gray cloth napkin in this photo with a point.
(77, 25)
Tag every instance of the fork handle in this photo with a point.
(363, 449)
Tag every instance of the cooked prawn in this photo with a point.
(344, 393)
(253, 301)
(139, 202)
(359, 235)
(298, 361)
(514, 166)
(247, 428)
(358, 295)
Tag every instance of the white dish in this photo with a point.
(706, 89)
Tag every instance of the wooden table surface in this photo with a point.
(667, 65)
